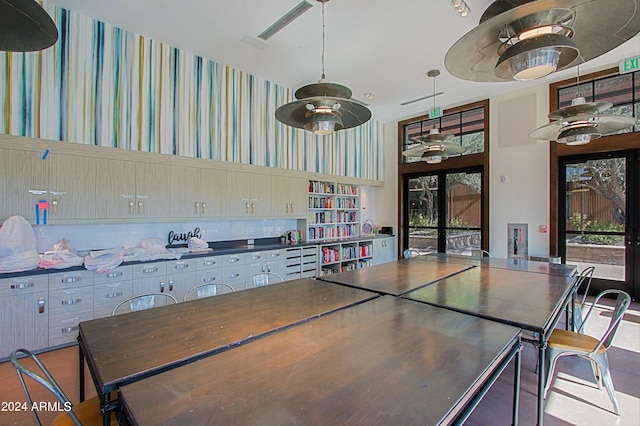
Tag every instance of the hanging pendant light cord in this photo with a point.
(323, 41)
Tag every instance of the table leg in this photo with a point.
(516, 387)
(541, 377)
(104, 409)
(81, 371)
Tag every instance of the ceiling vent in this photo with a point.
(288, 18)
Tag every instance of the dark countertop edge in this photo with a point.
(220, 248)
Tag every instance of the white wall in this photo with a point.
(386, 197)
(518, 168)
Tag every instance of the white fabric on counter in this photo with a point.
(18, 246)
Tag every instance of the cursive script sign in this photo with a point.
(174, 237)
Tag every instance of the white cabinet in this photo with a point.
(234, 270)
(266, 261)
(132, 190)
(384, 250)
(72, 187)
(248, 195)
(111, 288)
(198, 193)
(288, 196)
(24, 313)
(301, 262)
(181, 276)
(23, 182)
(70, 302)
(150, 277)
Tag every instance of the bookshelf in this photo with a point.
(345, 256)
(334, 211)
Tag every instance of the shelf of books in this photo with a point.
(334, 211)
(341, 257)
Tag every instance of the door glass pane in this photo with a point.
(595, 216)
(464, 212)
(423, 213)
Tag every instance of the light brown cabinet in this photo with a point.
(288, 197)
(23, 182)
(198, 193)
(248, 195)
(72, 187)
(132, 190)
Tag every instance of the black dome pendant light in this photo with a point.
(323, 107)
(25, 26)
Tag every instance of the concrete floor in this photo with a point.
(573, 399)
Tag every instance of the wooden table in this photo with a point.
(127, 348)
(512, 264)
(396, 278)
(530, 301)
(385, 361)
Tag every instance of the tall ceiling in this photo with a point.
(381, 47)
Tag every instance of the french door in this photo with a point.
(599, 218)
(443, 211)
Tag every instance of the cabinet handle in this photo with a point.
(256, 257)
(113, 295)
(139, 207)
(69, 329)
(208, 280)
(150, 270)
(41, 302)
(71, 301)
(247, 207)
(234, 259)
(204, 208)
(114, 274)
(209, 262)
(197, 207)
(54, 203)
(292, 207)
(253, 207)
(286, 208)
(130, 206)
(171, 282)
(276, 254)
(23, 285)
(68, 280)
(181, 265)
(161, 286)
(234, 275)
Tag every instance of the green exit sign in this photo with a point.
(629, 65)
(435, 112)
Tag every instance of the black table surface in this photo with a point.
(528, 300)
(396, 278)
(129, 347)
(384, 361)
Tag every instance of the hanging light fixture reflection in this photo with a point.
(434, 146)
(323, 107)
(529, 39)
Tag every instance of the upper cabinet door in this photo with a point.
(153, 190)
(214, 194)
(185, 192)
(23, 182)
(288, 196)
(198, 193)
(249, 194)
(72, 187)
(115, 189)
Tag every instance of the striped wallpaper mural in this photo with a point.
(101, 85)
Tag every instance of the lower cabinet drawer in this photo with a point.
(107, 296)
(65, 330)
